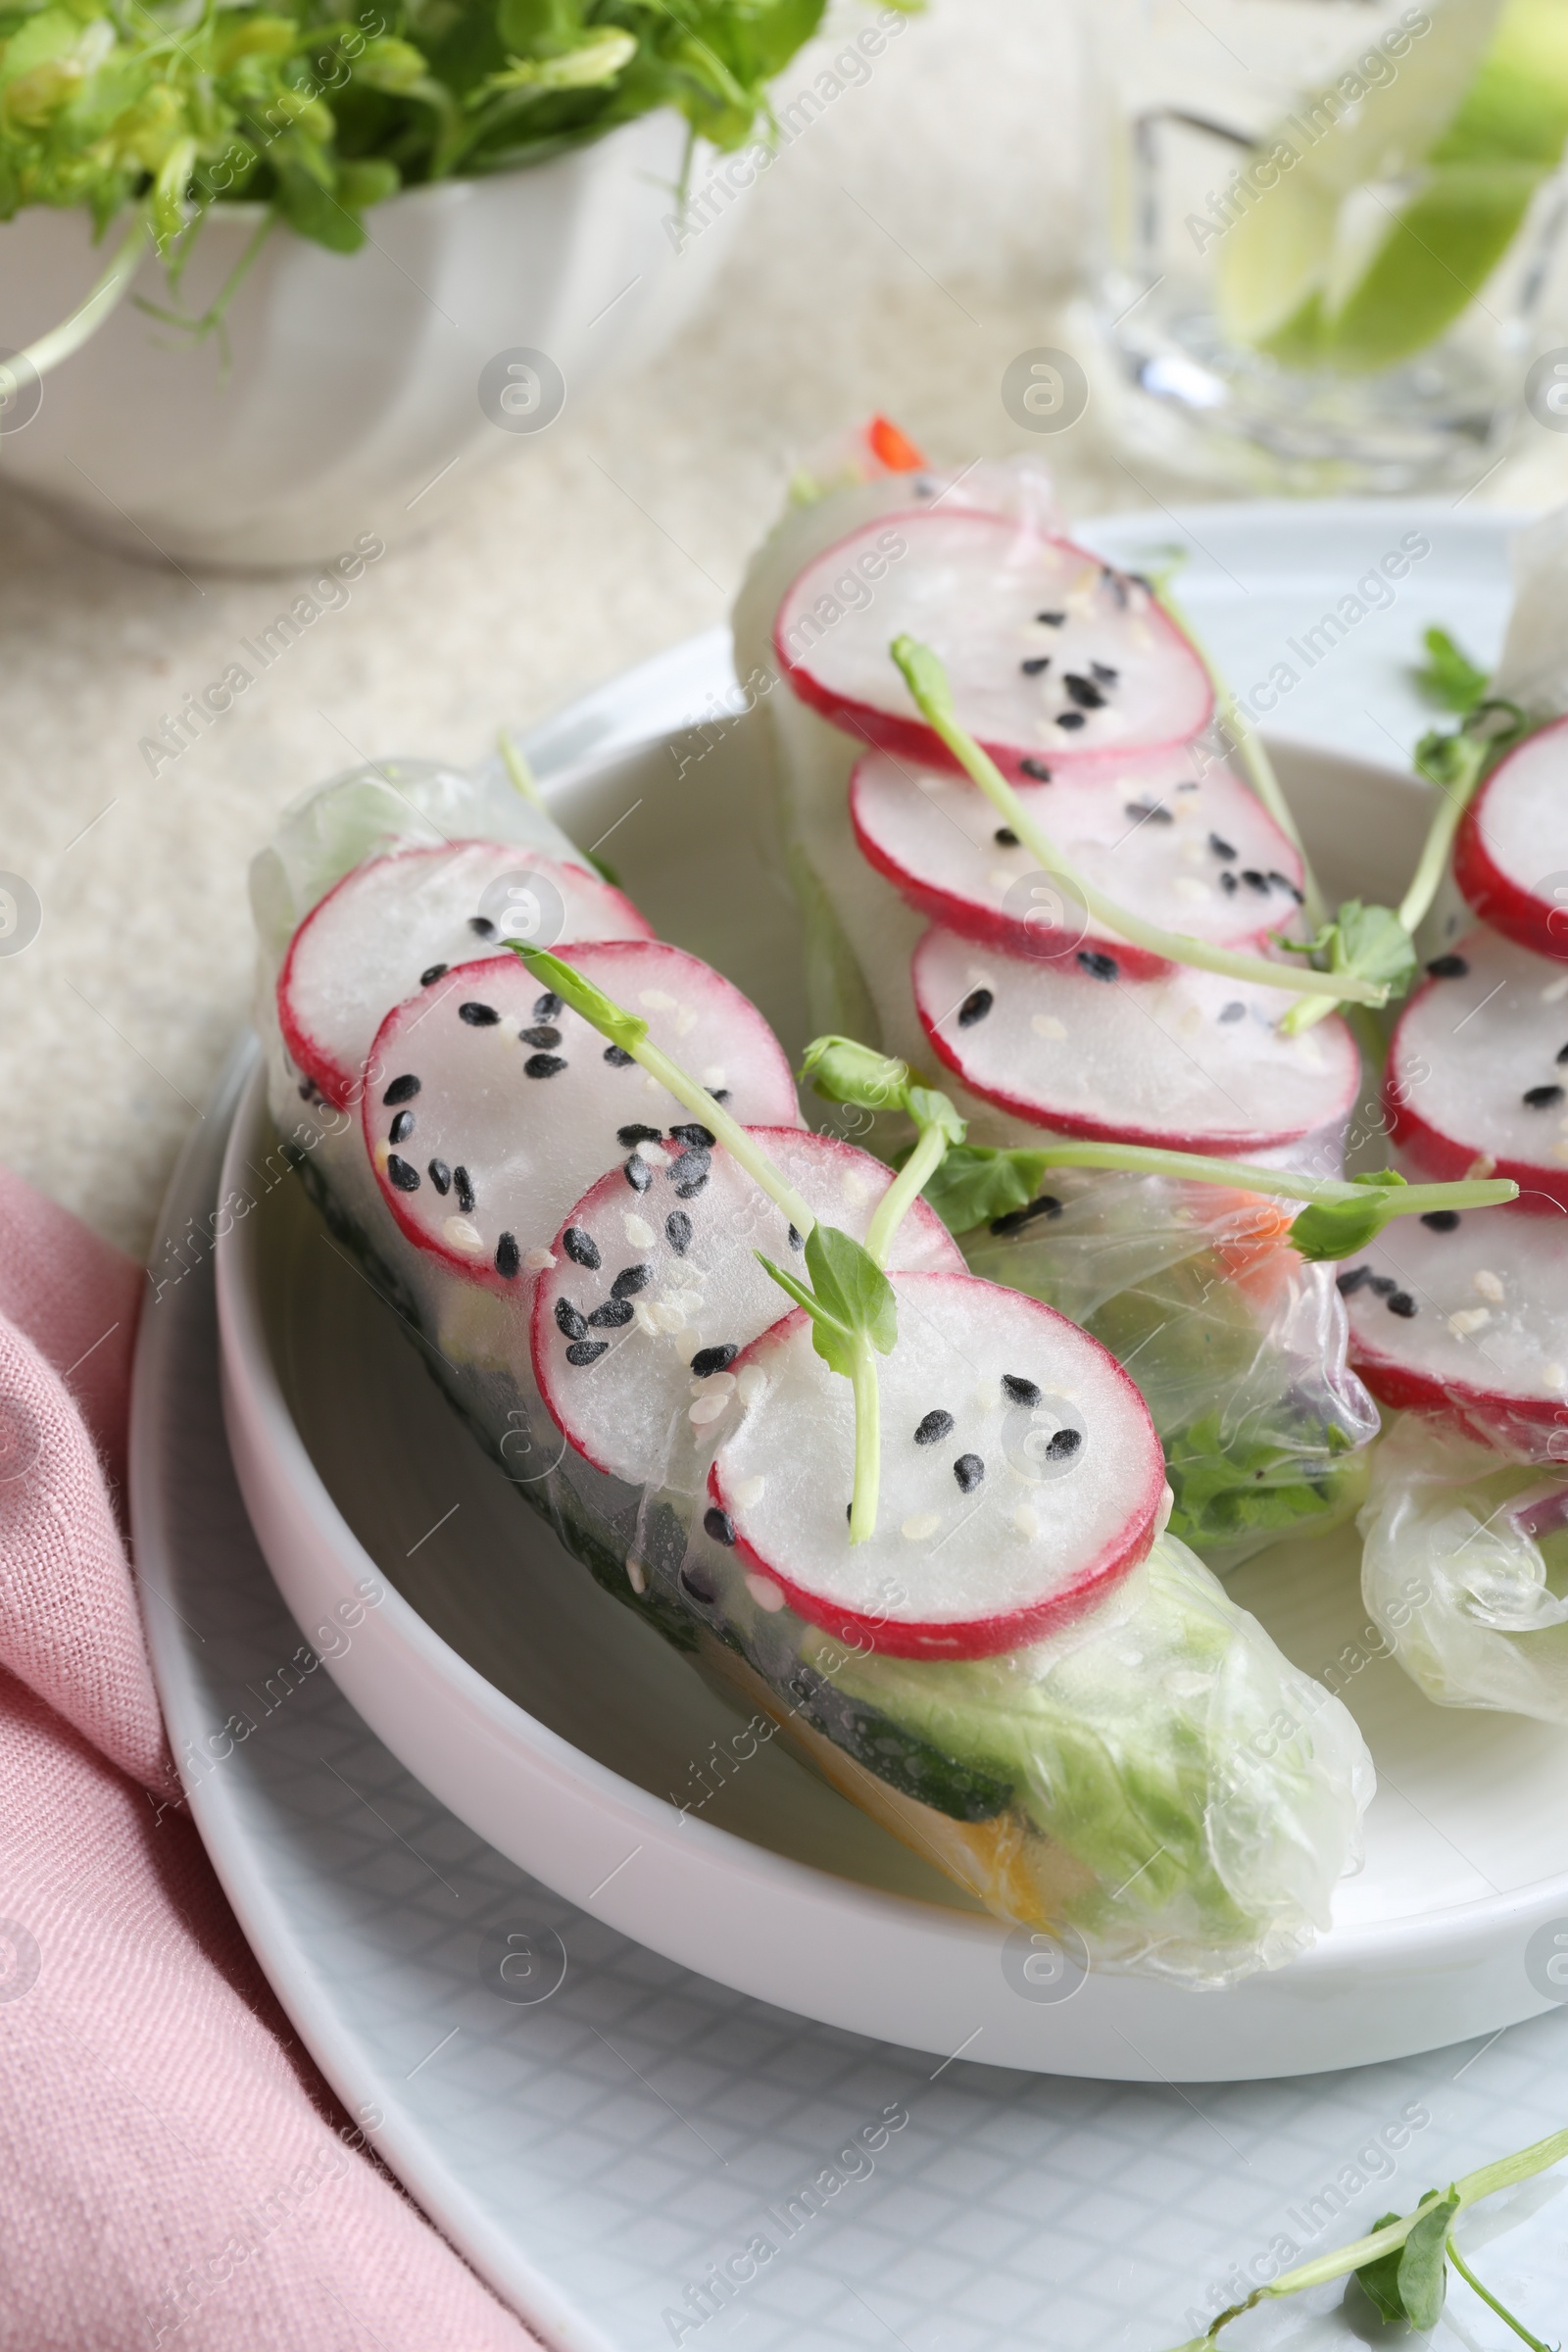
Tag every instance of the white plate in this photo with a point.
(557, 1728)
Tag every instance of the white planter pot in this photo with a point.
(352, 380)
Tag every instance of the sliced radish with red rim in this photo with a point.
(1466, 1314)
(1051, 654)
(1022, 1476)
(1477, 1069)
(1191, 1061)
(1183, 846)
(407, 921)
(1510, 858)
(650, 1302)
(496, 1106)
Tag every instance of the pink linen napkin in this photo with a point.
(175, 2171)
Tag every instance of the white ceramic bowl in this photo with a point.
(555, 1726)
(350, 380)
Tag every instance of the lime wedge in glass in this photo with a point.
(1400, 198)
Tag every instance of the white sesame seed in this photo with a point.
(653, 1154)
(924, 1524)
(713, 1075)
(644, 1318)
(1555, 990)
(751, 1381)
(384, 1152)
(853, 1186)
(987, 1396)
(705, 1409)
(1487, 1285)
(748, 1494)
(1190, 1021)
(656, 999)
(1482, 1166)
(979, 977)
(1001, 881)
(1189, 887)
(653, 1085)
(464, 1236)
(1553, 1376)
(1045, 1024)
(763, 1589)
(685, 1021)
(638, 1231)
(667, 1315)
(1469, 1319)
(1024, 1522)
(636, 1576)
(538, 1261)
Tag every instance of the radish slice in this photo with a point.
(1467, 1315)
(1021, 1475)
(494, 1107)
(1191, 851)
(1477, 1070)
(1512, 845)
(637, 1324)
(1051, 654)
(403, 921)
(1191, 1063)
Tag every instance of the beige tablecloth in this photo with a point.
(898, 256)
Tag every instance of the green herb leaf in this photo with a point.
(842, 1070)
(1330, 1229)
(612, 1021)
(932, 1111)
(1379, 2280)
(977, 1183)
(852, 1287)
(1423, 2278)
(1373, 942)
(1447, 677)
(833, 1341)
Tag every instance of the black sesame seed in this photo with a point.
(1116, 585)
(690, 1173)
(679, 1231)
(618, 1058)
(721, 1094)
(463, 1186)
(571, 1323)
(976, 1004)
(1255, 880)
(547, 1007)
(1355, 1280)
(795, 1243)
(1037, 768)
(630, 1137)
(1052, 620)
(509, 1257)
(1383, 1285)
(613, 1315)
(1401, 1304)
(1448, 967)
(1085, 693)
(968, 1470)
(1235, 1010)
(937, 1423)
(697, 1584)
(482, 926)
(1035, 664)
(1149, 813)
(1104, 672)
(1064, 1445)
(638, 1174)
(543, 1033)
(719, 1525)
(401, 1128)
(1015, 1219)
(1542, 1098)
(1005, 838)
(1097, 965)
(1285, 883)
(1222, 847)
(405, 1179)
(433, 973)
(1019, 1389)
(542, 1065)
(478, 1016)
(581, 1248)
(440, 1176)
(586, 1351)
(630, 1280)
(708, 1360)
(1561, 1054)
(699, 1137)
(1069, 719)
(400, 1090)
(1228, 884)
(1441, 1220)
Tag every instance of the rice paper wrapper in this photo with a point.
(1464, 1568)
(1237, 1342)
